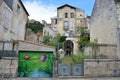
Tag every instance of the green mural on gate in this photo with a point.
(35, 64)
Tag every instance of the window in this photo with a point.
(66, 34)
(66, 15)
(72, 15)
(71, 24)
(66, 25)
(9, 3)
(71, 33)
(80, 14)
(55, 21)
(80, 22)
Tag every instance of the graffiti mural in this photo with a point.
(35, 64)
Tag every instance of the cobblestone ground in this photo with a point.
(106, 78)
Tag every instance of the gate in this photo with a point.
(70, 70)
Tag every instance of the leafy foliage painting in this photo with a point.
(35, 64)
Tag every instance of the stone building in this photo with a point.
(68, 19)
(67, 22)
(49, 29)
(13, 19)
(105, 26)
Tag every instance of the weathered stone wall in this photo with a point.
(12, 21)
(49, 30)
(31, 36)
(101, 67)
(118, 29)
(8, 68)
(103, 22)
(102, 51)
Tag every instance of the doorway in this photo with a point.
(68, 47)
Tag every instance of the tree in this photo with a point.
(47, 39)
(36, 27)
(84, 38)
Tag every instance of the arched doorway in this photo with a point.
(68, 47)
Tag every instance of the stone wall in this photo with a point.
(31, 36)
(31, 46)
(8, 68)
(101, 67)
(103, 22)
(102, 51)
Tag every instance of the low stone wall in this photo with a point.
(101, 67)
(31, 46)
(106, 51)
(8, 68)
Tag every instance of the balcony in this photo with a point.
(66, 27)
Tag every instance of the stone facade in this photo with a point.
(68, 19)
(104, 23)
(13, 19)
(49, 30)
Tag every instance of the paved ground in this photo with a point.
(106, 78)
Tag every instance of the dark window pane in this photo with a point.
(66, 15)
(9, 3)
(55, 21)
(72, 15)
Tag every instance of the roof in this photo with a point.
(68, 6)
(24, 7)
(117, 0)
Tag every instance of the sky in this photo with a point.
(46, 9)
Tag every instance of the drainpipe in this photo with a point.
(118, 40)
(117, 31)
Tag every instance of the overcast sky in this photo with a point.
(45, 9)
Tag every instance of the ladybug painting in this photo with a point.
(26, 57)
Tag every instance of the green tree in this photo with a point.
(48, 40)
(36, 27)
(84, 38)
